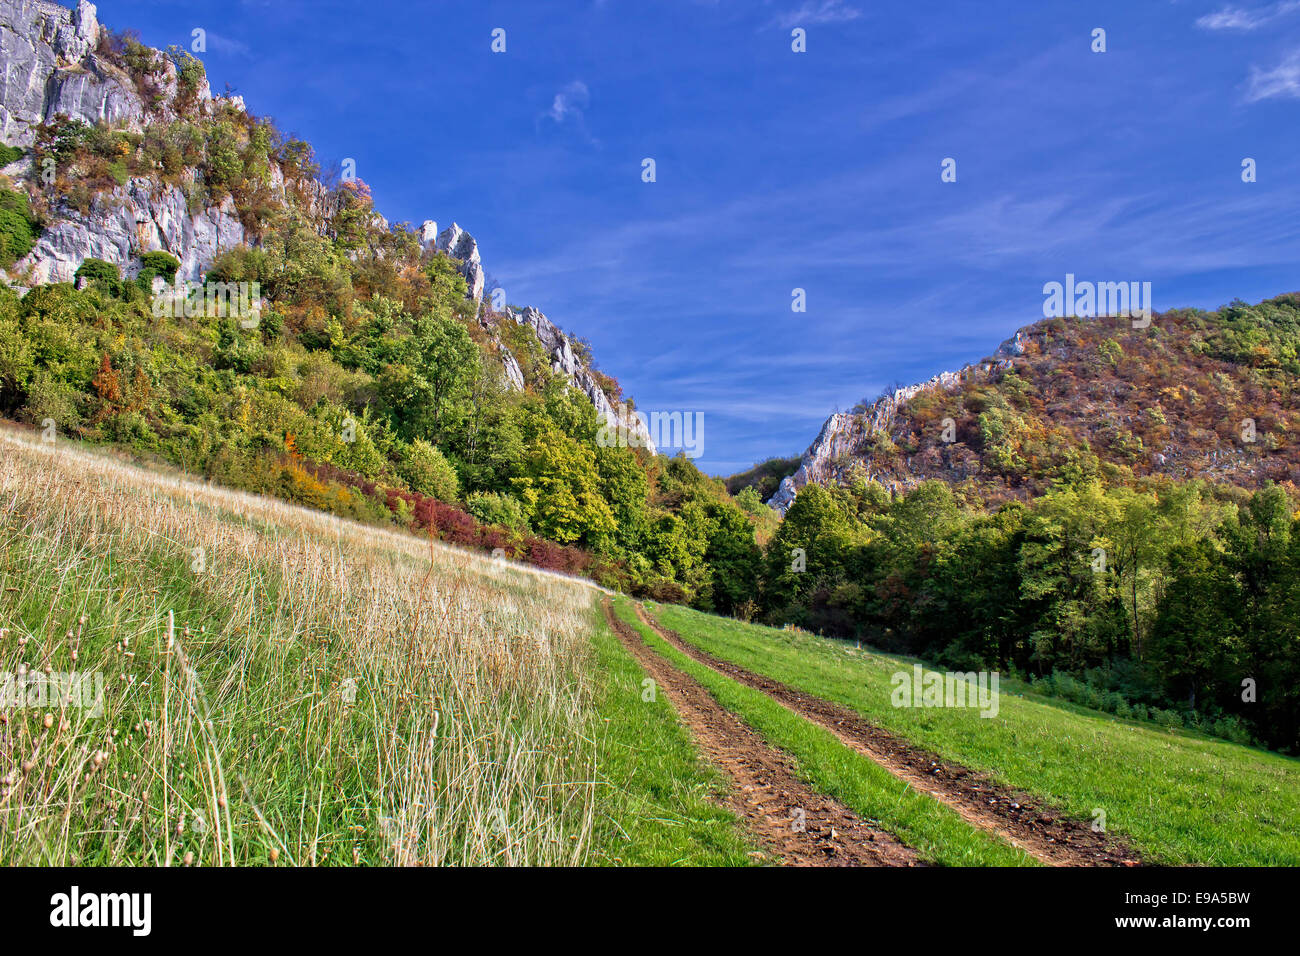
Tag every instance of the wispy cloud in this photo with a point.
(227, 46)
(1244, 20)
(1283, 81)
(570, 102)
(818, 11)
(569, 108)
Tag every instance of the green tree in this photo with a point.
(559, 486)
(428, 472)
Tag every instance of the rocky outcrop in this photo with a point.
(514, 375)
(143, 216)
(51, 67)
(846, 437)
(459, 244)
(559, 348)
(428, 235)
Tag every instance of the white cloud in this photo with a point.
(570, 102)
(1281, 81)
(1245, 20)
(818, 11)
(568, 108)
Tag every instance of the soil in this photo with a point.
(790, 820)
(1024, 821)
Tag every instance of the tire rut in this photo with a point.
(1024, 821)
(788, 818)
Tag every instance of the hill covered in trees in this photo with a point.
(373, 378)
(1194, 394)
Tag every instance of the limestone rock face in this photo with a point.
(50, 67)
(513, 373)
(142, 216)
(559, 348)
(459, 244)
(1012, 346)
(847, 435)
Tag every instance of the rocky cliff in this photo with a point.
(1191, 395)
(848, 437)
(55, 65)
(51, 66)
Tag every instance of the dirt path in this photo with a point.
(1022, 820)
(790, 819)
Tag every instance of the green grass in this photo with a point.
(657, 803)
(937, 833)
(1179, 798)
(465, 738)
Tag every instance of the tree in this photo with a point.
(1068, 579)
(560, 487)
(810, 548)
(428, 472)
(441, 365)
(624, 485)
(1195, 627)
(732, 557)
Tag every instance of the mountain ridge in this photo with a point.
(72, 71)
(1202, 375)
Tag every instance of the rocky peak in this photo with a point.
(428, 234)
(846, 436)
(459, 244)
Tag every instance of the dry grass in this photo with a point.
(235, 737)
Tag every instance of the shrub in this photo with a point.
(9, 154)
(17, 227)
(97, 270)
(426, 470)
(1169, 719)
(492, 508)
(162, 263)
(51, 400)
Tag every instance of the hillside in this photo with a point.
(1196, 395)
(263, 684)
(182, 279)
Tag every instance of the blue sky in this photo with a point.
(779, 170)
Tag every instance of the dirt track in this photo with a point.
(1040, 831)
(788, 818)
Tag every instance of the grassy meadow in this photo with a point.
(283, 687)
(1180, 798)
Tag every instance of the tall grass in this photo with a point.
(328, 693)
